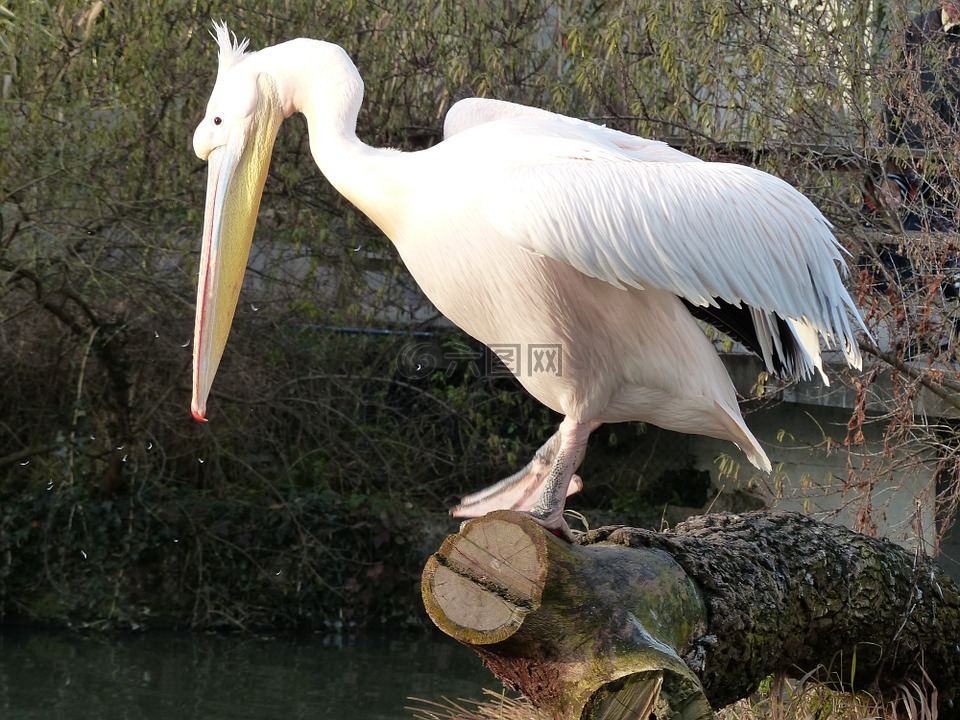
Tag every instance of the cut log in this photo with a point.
(628, 623)
(586, 632)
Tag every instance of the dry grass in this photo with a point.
(780, 700)
(807, 700)
(497, 706)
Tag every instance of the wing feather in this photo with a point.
(701, 230)
(472, 112)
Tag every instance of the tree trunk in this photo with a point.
(628, 622)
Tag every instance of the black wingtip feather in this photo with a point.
(737, 322)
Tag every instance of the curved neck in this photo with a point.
(319, 80)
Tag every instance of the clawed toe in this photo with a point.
(541, 488)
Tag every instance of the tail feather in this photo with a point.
(740, 434)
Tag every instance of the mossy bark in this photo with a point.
(629, 621)
(584, 632)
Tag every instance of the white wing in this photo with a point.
(472, 112)
(701, 230)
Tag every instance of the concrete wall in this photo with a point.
(815, 473)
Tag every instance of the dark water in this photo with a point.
(178, 677)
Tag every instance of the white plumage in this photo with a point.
(533, 230)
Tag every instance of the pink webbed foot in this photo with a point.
(541, 488)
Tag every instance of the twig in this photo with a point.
(947, 390)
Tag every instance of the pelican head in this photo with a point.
(236, 139)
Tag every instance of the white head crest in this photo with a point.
(232, 50)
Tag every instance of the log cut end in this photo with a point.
(482, 582)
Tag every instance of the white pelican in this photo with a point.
(535, 231)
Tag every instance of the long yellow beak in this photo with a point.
(236, 175)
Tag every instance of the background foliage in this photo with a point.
(329, 451)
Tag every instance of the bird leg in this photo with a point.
(516, 492)
(542, 486)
